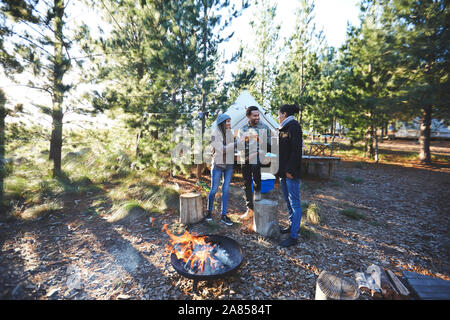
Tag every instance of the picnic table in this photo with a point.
(320, 148)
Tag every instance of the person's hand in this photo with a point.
(289, 175)
(252, 156)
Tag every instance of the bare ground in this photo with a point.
(79, 255)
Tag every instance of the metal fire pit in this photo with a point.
(233, 250)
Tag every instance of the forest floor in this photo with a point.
(402, 224)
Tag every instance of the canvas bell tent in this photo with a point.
(238, 117)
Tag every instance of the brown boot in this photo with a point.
(247, 215)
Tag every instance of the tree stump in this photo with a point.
(191, 209)
(265, 220)
(331, 287)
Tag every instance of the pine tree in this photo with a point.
(299, 75)
(263, 55)
(213, 25)
(368, 79)
(165, 55)
(421, 40)
(36, 29)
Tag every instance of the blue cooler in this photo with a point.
(267, 182)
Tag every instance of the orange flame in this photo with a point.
(192, 249)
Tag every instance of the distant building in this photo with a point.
(411, 129)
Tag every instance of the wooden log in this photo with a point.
(366, 284)
(265, 220)
(402, 290)
(387, 288)
(191, 210)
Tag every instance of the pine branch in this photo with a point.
(32, 42)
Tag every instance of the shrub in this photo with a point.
(352, 213)
(312, 214)
(41, 210)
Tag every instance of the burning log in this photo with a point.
(203, 257)
(222, 256)
(207, 259)
(199, 257)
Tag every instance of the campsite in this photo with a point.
(367, 213)
(131, 167)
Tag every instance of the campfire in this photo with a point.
(199, 255)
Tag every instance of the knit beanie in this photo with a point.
(221, 118)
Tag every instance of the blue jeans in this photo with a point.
(291, 193)
(216, 175)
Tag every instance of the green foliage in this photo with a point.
(34, 38)
(165, 55)
(421, 42)
(264, 54)
(394, 65)
(93, 160)
(367, 79)
(352, 213)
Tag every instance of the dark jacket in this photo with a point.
(290, 147)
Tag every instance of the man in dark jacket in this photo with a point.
(289, 170)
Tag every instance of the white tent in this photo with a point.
(237, 113)
(439, 129)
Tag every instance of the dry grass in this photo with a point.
(313, 214)
(40, 210)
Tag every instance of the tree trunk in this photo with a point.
(301, 95)
(376, 145)
(368, 143)
(138, 137)
(265, 220)
(56, 140)
(2, 143)
(58, 89)
(205, 51)
(425, 135)
(191, 210)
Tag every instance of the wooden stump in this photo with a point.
(331, 287)
(265, 220)
(191, 208)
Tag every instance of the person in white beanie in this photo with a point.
(223, 144)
